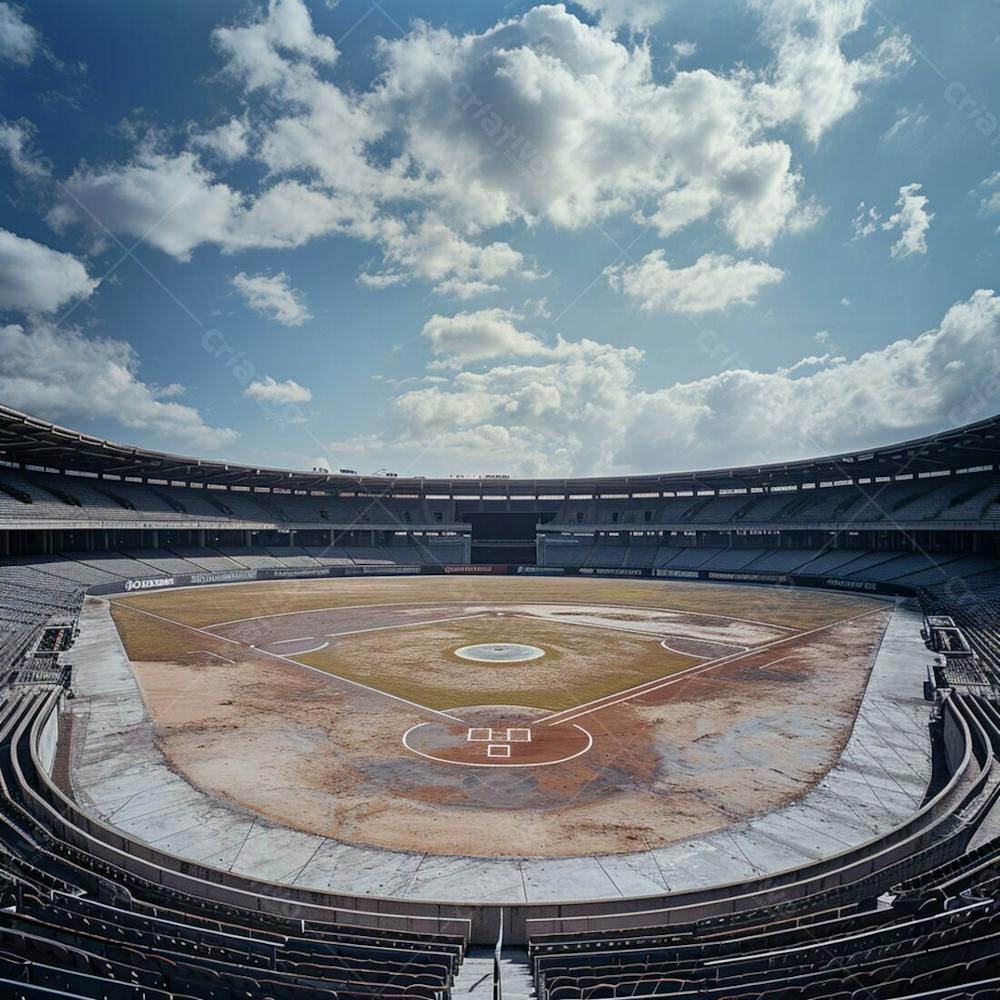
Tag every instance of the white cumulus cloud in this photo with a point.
(712, 283)
(580, 410)
(36, 278)
(171, 202)
(469, 337)
(66, 376)
(272, 295)
(432, 251)
(228, 141)
(268, 390)
(912, 220)
(541, 118)
(17, 140)
(813, 82)
(19, 41)
(906, 388)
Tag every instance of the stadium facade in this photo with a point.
(900, 517)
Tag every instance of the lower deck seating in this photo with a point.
(163, 561)
(907, 569)
(81, 926)
(976, 610)
(29, 600)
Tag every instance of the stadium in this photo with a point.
(499, 501)
(726, 733)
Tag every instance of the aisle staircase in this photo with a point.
(475, 978)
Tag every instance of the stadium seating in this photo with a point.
(960, 497)
(84, 917)
(38, 495)
(82, 922)
(85, 911)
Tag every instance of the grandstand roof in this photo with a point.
(26, 440)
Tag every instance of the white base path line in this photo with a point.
(170, 621)
(649, 687)
(489, 763)
(208, 652)
(346, 680)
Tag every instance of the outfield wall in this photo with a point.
(166, 581)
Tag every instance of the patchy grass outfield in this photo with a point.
(419, 664)
(802, 609)
(148, 638)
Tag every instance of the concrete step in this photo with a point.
(475, 978)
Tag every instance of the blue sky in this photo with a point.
(628, 235)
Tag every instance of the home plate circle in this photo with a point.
(500, 652)
(497, 742)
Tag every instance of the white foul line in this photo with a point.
(650, 686)
(170, 621)
(358, 684)
(208, 652)
(288, 659)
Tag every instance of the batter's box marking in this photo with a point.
(498, 750)
(518, 735)
(480, 736)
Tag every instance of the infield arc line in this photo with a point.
(315, 649)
